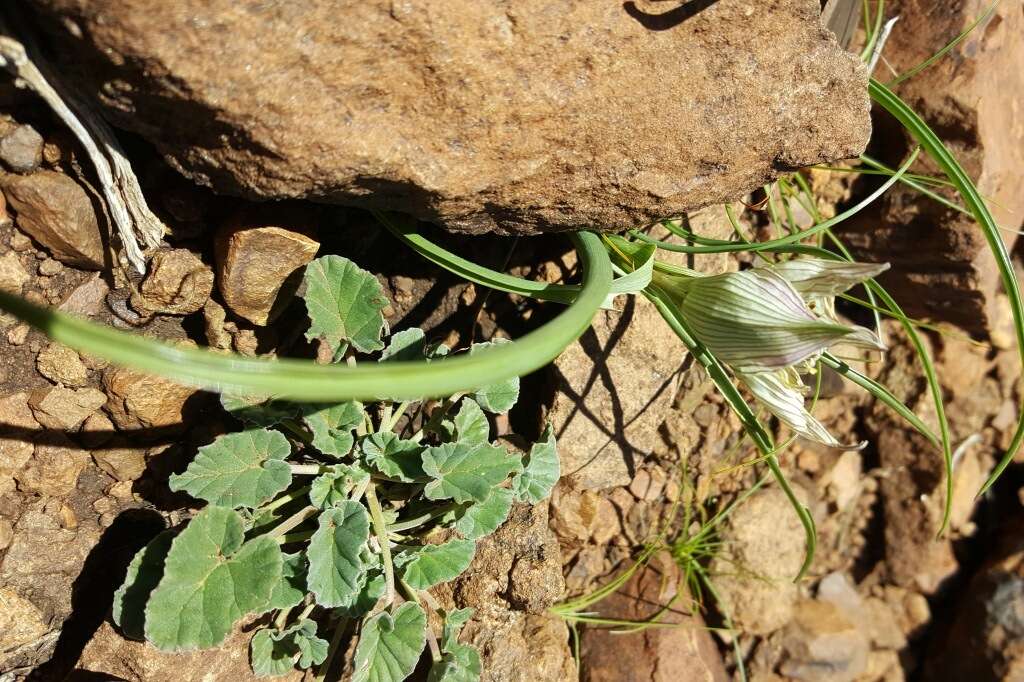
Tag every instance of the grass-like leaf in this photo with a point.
(211, 579)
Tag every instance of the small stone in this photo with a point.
(245, 342)
(214, 317)
(54, 469)
(15, 438)
(5, 217)
(6, 533)
(12, 274)
(106, 520)
(141, 401)
(123, 464)
(68, 518)
(104, 505)
(253, 264)
(21, 622)
(21, 150)
(607, 525)
(648, 484)
(62, 365)
(87, 298)
(57, 213)
(50, 267)
(17, 335)
(20, 241)
(178, 283)
(64, 408)
(574, 514)
(122, 490)
(822, 645)
(97, 429)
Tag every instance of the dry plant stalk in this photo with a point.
(134, 221)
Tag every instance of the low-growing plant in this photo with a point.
(324, 514)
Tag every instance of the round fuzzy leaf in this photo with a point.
(332, 488)
(291, 588)
(460, 663)
(144, 573)
(471, 425)
(390, 645)
(335, 565)
(238, 469)
(273, 653)
(332, 426)
(431, 565)
(393, 456)
(483, 518)
(541, 470)
(499, 397)
(465, 472)
(258, 410)
(408, 344)
(345, 304)
(211, 579)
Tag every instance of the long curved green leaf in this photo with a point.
(305, 380)
(973, 200)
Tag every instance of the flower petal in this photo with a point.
(819, 277)
(781, 394)
(755, 321)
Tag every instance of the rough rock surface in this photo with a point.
(941, 266)
(674, 654)
(763, 545)
(57, 213)
(114, 657)
(254, 263)
(64, 408)
(12, 273)
(62, 365)
(15, 437)
(515, 576)
(21, 149)
(504, 116)
(177, 283)
(141, 401)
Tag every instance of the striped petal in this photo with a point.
(782, 394)
(819, 277)
(755, 320)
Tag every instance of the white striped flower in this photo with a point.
(770, 323)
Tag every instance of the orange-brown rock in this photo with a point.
(177, 283)
(481, 116)
(140, 401)
(57, 213)
(253, 265)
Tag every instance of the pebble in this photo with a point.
(12, 274)
(50, 267)
(62, 408)
(177, 283)
(62, 365)
(21, 150)
(17, 335)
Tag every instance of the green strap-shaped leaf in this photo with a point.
(393, 456)
(291, 588)
(242, 469)
(501, 396)
(144, 573)
(211, 579)
(540, 471)
(332, 488)
(345, 304)
(332, 426)
(471, 423)
(258, 410)
(409, 344)
(465, 472)
(335, 566)
(483, 518)
(431, 565)
(273, 653)
(390, 645)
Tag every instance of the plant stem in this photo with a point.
(293, 521)
(307, 469)
(414, 596)
(283, 500)
(380, 529)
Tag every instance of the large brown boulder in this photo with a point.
(482, 116)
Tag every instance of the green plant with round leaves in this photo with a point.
(322, 516)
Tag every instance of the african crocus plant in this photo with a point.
(770, 325)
